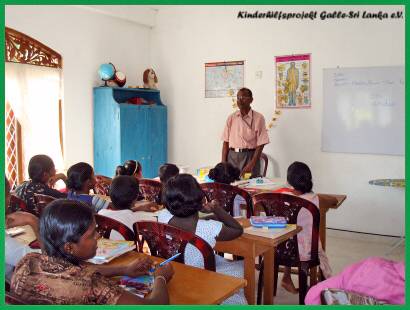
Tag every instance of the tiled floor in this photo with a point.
(345, 248)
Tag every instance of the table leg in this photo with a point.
(268, 277)
(322, 227)
(249, 275)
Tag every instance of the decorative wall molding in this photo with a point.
(21, 48)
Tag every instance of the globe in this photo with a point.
(106, 72)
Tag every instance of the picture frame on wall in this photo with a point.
(223, 79)
(293, 81)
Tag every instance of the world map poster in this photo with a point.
(293, 81)
(223, 79)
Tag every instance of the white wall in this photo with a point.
(187, 37)
(85, 39)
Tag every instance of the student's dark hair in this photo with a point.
(224, 173)
(64, 221)
(120, 170)
(77, 174)
(38, 165)
(300, 177)
(130, 167)
(167, 171)
(182, 195)
(124, 190)
(247, 90)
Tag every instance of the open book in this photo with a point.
(109, 249)
(269, 221)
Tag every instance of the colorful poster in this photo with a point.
(223, 79)
(293, 81)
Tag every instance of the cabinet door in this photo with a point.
(158, 124)
(106, 133)
(135, 134)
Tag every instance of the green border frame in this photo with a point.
(191, 2)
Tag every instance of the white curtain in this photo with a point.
(33, 93)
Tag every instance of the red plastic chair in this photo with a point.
(42, 201)
(264, 159)
(106, 224)
(12, 299)
(17, 204)
(150, 190)
(287, 253)
(225, 194)
(102, 185)
(166, 240)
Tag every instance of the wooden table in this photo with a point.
(191, 285)
(188, 286)
(250, 246)
(324, 206)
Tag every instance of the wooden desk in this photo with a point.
(325, 203)
(191, 285)
(250, 246)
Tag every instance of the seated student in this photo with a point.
(299, 178)
(42, 175)
(124, 194)
(15, 250)
(226, 173)
(182, 197)
(61, 276)
(130, 167)
(165, 172)
(375, 276)
(80, 180)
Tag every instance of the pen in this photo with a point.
(165, 262)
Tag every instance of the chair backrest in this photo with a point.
(12, 299)
(225, 194)
(42, 201)
(102, 185)
(165, 241)
(289, 206)
(17, 204)
(150, 189)
(264, 159)
(106, 224)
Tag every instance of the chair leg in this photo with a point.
(303, 275)
(275, 278)
(260, 283)
(313, 276)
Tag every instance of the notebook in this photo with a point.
(140, 286)
(332, 296)
(109, 249)
(268, 221)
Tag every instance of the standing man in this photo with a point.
(244, 136)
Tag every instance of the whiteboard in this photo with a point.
(363, 110)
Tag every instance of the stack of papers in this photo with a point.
(109, 249)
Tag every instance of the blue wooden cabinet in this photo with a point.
(125, 131)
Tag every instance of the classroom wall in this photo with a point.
(184, 38)
(85, 39)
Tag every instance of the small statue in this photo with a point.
(150, 79)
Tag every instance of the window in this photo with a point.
(33, 104)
